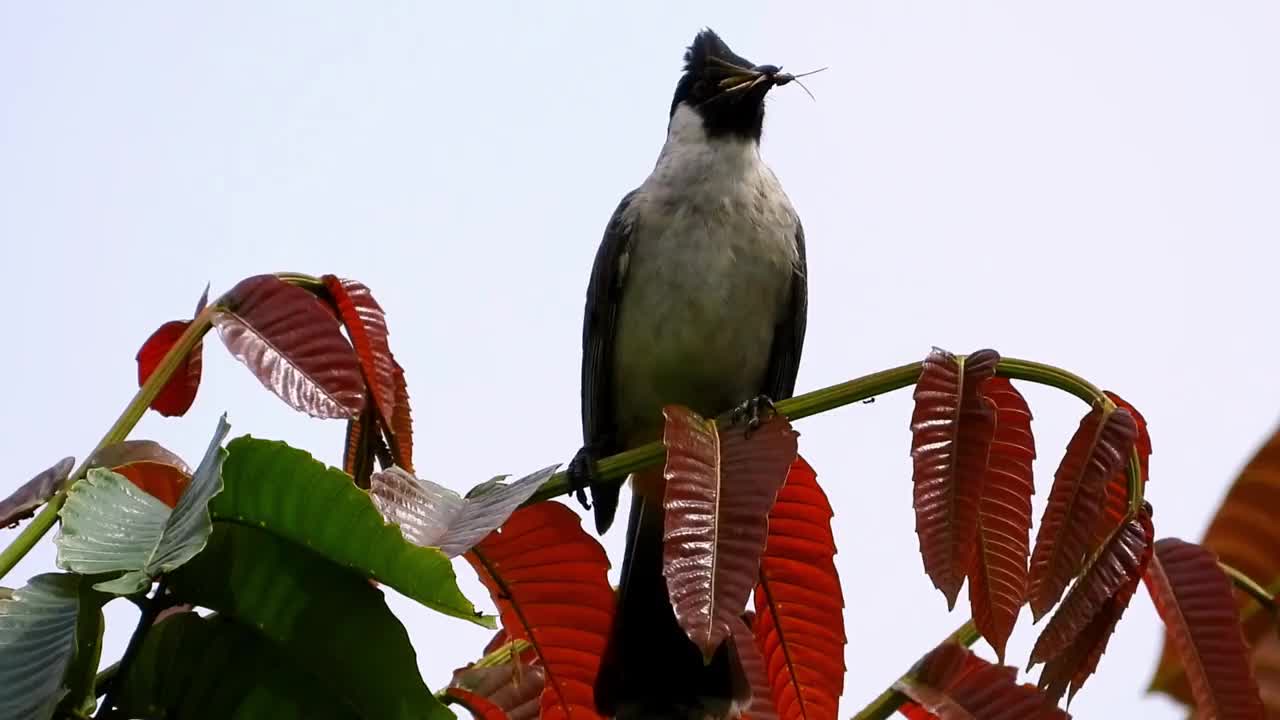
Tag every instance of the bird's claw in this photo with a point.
(753, 413)
(581, 475)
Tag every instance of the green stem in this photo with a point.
(118, 431)
(157, 604)
(1251, 587)
(891, 699)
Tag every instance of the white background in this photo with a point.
(1093, 186)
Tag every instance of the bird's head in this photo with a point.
(725, 89)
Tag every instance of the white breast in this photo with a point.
(709, 272)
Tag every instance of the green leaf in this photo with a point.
(291, 495)
(193, 668)
(37, 642)
(332, 622)
(82, 672)
(109, 525)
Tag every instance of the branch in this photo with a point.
(1251, 587)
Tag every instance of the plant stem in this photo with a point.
(891, 699)
(1251, 587)
(118, 431)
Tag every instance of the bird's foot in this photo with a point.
(752, 413)
(581, 474)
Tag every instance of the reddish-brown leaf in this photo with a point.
(179, 392)
(34, 493)
(1100, 446)
(1193, 597)
(1115, 503)
(1075, 637)
(1246, 536)
(799, 621)
(514, 683)
(1073, 665)
(292, 342)
(720, 489)
(998, 576)
(149, 465)
(1119, 564)
(401, 429)
(481, 708)
(361, 445)
(951, 431)
(753, 667)
(367, 327)
(1266, 668)
(548, 579)
(954, 684)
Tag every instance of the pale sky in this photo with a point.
(1092, 185)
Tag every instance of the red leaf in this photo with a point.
(799, 622)
(1193, 597)
(479, 707)
(1115, 503)
(952, 428)
(1079, 660)
(361, 446)
(548, 579)
(34, 493)
(367, 326)
(149, 465)
(402, 422)
(753, 667)
(1101, 445)
(179, 392)
(292, 343)
(954, 684)
(720, 488)
(1245, 535)
(998, 577)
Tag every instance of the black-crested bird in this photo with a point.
(698, 297)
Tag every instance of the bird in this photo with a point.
(698, 296)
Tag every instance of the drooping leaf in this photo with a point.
(109, 525)
(37, 642)
(291, 495)
(481, 708)
(367, 327)
(193, 668)
(330, 621)
(799, 620)
(1193, 597)
(402, 423)
(548, 578)
(720, 489)
(1266, 668)
(753, 667)
(1100, 447)
(175, 398)
(1115, 502)
(1119, 564)
(361, 446)
(432, 515)
(951, 432)
(293, 345)
(1073, 665)
(34, 493)
(998, 576)
(1244, 534)
(150, 466)
(954, 684)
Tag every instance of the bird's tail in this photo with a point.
(650, 668)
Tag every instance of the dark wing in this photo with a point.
(599, 432)
(788, 338)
